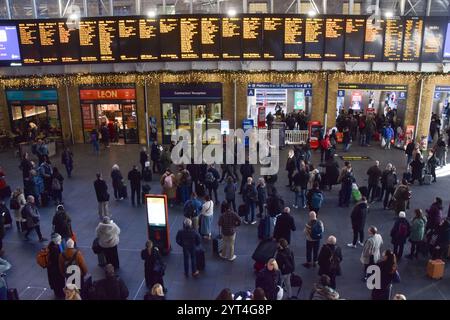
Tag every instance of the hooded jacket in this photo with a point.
(107, 234)
(323, 293)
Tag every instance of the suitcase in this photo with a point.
(435, 269)
(217, 244)
(200, 257)
(265, 250)
(123, 193)
(7, 220)
(12, 294)
(264, 228)
(427, 179)
(296, 281)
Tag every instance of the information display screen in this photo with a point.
(210, 37)
(89, 42)
(433, 39)
(273, 32)
(314, 38)
(29, 42)
(108, 39)
(373, 42)
(169, 38)
(190, 38)
(9, 45)
(446, 53)
(354, 39)
(69, 43)
(334, 38)
(156, 211)
(48, 41)
(252, 40)
(231, 38)
(149, 40)
(393, 39)
(129, 44)
(412, 40)
(294, 31)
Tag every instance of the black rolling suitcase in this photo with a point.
(217, 244)
(123, 193)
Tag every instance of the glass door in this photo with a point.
(130, 124)
(111, 115)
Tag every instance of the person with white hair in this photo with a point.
(313, 231)
(329, 260)
(284, 225)
(72, 256)
(371, 250)
(400, 233)
(189, 240)
(108, 238)
(55, 278)
(31, 213)
(117, 181)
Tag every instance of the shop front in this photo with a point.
(278, 98)
(114, 107)
(34, 113)
(185, 105)
(372, 99)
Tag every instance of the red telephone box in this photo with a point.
(314, 130)
(261, 117)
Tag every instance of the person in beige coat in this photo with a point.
(21, 201)
(169, 186)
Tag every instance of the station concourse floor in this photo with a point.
(80, 202)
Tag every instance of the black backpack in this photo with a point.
(189, 210)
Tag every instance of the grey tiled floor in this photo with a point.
(80, 201)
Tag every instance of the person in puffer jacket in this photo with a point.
(108, 239)
(323, 291)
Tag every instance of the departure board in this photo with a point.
(89, 44)
(69, 43)
(190, 38)
(210, 37)
(393, 40)
(412, 39)
(108, 40)
(29, 42)
(314, 38)
(48, 40)
(293, 37)
(373, 42)
(148, 39)
(273, 32)
(128, 39)
(334, 38)
(169, 38)
(231, 38)
(354, 39)
(252, 40)
(433, 39)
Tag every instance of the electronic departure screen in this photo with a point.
(412, 39)
(169, 38)
(9, 45)
(354, 38)
(231, 38)
(294, 30)
(190, 38)
(273, 32)
(210, 37)
(69, 43)
(128, 39)
(373, 42)
(29, 42)
(148, 39)
(314, 38)
(49, 40)
(433, 39)
(89, 44)
(252, 37)
(108, 39)
(446, 54)
(334, 38)
(393, 39)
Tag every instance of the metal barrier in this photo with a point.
(291, 136)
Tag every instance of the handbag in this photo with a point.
(96, 246)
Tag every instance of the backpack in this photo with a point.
(402, 230)
(209, 178)
(56, 184)
(14, 203)
(316, 231)
(334, 261)
(69, 262)
(189, 210)
(168, 183)
(317, 200)
(42, 257)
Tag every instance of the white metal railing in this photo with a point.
(291, 136)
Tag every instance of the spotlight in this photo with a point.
(389, 14)
(231, 12)
(151, 14)
(312, 13)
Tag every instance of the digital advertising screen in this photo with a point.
(156, 211)
(434, 35)
(9, 45)
(446, 54)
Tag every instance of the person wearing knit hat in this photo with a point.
(55, 278)
(399, 233)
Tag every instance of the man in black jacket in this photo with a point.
(189, 240)
(290, 166)
(285, 224)
(329, 260)
(134, 176)
(110, 288)
(247, 171)
(374, 174)
(101, 191)
(286, 264)
(358, 218)
(143, 158)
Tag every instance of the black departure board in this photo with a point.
(354, 39)
(334, 38)
(210, 37)
(314, 38)
(190, 38)
(89, 44)
(393, 40)
(69, 43)
(128, 39)
(29, 42)
(273, 33)
(294, 30)
(433, 39)
(108, 40)
(373, 42)
(148, 39)
(49, 40)
(231, 38)
(169, 38)
(412, 39)
(252, 37)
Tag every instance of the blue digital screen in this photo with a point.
(9, 44)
